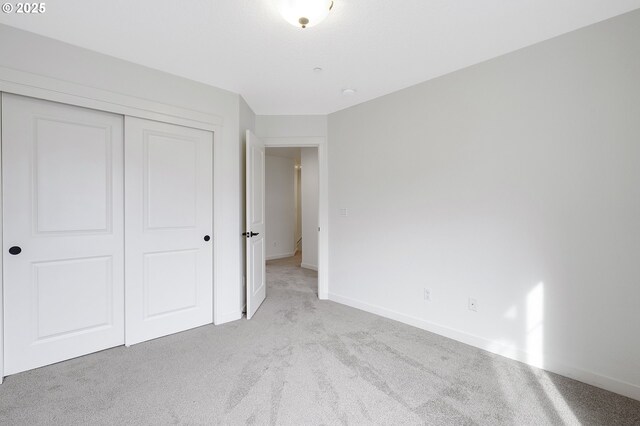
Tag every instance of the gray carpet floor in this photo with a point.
(302, 361)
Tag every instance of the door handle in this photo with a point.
(250, 234)
(15, 250)
(207, 238)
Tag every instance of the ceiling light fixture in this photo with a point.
(304, 13)
(349, 92)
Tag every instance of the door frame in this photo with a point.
(17, 82)
(319, 142)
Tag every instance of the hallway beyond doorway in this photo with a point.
(287, 275)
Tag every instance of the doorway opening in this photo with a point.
(292, 221)
(313, 232)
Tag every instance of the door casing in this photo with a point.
(320, 143)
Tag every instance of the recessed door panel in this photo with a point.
(169, 210)
(63, 209)
(257, 272)
(56, 314)
(171, 181)
(257, 180)
(63, 201)
(170, 282)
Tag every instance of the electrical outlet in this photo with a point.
(427, 295)
(473, 304)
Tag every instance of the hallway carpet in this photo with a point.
(301, 361)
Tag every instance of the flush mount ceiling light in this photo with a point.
(304, 13)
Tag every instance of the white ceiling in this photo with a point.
(373, 46)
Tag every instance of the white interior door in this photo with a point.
(63, 232)
(256, 277)
(169, 211)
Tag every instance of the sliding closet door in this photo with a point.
(169, 211)
(63, 231)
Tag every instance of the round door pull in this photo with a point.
(15, 250)
(207, 238)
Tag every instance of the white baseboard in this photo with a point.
(614, 385)
(225, 318)
(307, 266)
(280, 256)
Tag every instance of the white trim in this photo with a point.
(307, 266)
(553, 365)
(51, 89)
(218, 224)
(323, 205)
(280, 256)
(228, 317)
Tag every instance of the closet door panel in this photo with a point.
(63, 231)
(169, 211)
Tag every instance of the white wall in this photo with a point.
(29, 63)
(279, 207)
(515, 182)
(246, 121)
(310, 194)
(284, 126)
